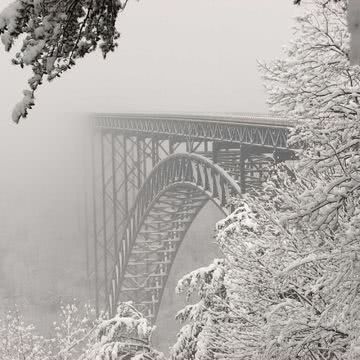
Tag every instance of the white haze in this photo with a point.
(193, 56)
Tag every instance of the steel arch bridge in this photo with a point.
(152, 174)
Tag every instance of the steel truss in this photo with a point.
(150, 180)
(246, 130)
(172, 195)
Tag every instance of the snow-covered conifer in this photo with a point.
(316, 87)
(292, 250)
(125, 336)
(54, 33)
(200, 336)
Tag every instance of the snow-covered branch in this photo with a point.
(55, 34)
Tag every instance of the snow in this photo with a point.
(22, 107)
(9, 16)
(33, 52)
(126, 335)
(7, 40)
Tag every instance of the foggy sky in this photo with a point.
(173, 56)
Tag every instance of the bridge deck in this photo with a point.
(230, 118)
(247, 129)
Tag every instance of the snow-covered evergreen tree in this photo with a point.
(294, 286)
(316, 87)
(54, 34)
(292, 251)
(199, 337)
(125, 336)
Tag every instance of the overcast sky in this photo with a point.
(174, 55)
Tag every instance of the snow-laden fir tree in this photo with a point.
(198, 338)
(54, 33)
(293, 251)
(295, 287)
(125, 336)
(316, 88)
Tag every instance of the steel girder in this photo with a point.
(245, 130)
(120, 166)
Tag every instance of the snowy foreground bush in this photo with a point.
(19, 340)
(79, 336)
(126, 336)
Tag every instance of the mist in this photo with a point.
(174, 56)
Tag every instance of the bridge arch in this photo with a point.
(173, 194)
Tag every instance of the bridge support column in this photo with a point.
(93, 273)
(104, 218)
(242, 160)
(120, 165)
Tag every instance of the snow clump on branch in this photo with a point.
(55, 33)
